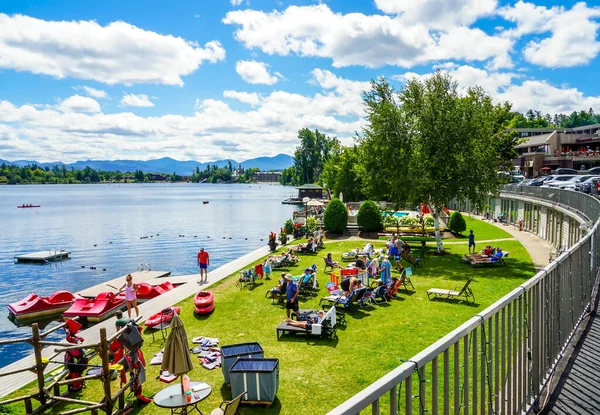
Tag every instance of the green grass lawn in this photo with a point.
(317, 376)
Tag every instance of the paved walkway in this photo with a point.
(9, 384)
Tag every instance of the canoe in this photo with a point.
(34, 306)
(147, 291)
(95, 309)
(28, 206)
(205, 202)
(164, 316)
(204, 302)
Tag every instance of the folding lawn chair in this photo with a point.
(464, 292)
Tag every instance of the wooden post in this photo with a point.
(105, 372)
(39, 366)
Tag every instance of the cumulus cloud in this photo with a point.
(77, 103)
(212, 132)
(245, 97)
(255, 72)
(236, 2)
(118, 53)
(438, 14)
(133, 100)
(573, 33)
(93, 92)
(358, 39)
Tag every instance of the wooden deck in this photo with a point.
(12, 383)
(43, 256)
(116, 283)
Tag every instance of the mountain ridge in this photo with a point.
(165, 164)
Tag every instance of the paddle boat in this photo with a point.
(147, 291)
(204, 302)
(96, 309)
(33, 306)
(162, 317)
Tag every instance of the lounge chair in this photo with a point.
(310, 287)
(404, 279)
(247, 277)
(415, 261)
(274, 293)
(342, 301)
(491, 261)
(326, 328)
(380, 293)
(464, 292)
(328, 264)
(228, 407)
(366, 298)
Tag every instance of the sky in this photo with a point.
(212, 79)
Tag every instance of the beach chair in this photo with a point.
(328, 264)
(343, 302)
(491, 261)
(404, 279)
(464, 292)
(365, 299)
(415, 261)
(310, 287)
(274, 293)
(393, 288)
(326, 328)
(228, 407)
(380, 293)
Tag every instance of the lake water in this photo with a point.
(103, 226)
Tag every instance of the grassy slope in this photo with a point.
(316, 377)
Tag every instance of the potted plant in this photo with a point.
(282, 236)
(272, 241)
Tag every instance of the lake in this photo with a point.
(105, 226)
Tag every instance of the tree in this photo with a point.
(349, 178)
(457, 223)
(288, 176)
(311, 154)
(335, 217)
(429, 143)
(139, 176)
(369, 217)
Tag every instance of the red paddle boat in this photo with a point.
(204, 302)
(34, 306)
(95, 309)
(164, 316)
(147, 291)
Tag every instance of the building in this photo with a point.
(267, 176)
(577, 148)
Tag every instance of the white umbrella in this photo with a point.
(314, 203)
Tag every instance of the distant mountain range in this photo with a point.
(166, 164)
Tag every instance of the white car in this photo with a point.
(559, 181)
(571, 184)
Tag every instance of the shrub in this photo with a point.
(311, 224)
(390, 221)
(289, 226)
(335, 217)
(369, 217)
(457, 223)
(428, 221)
(408, 221)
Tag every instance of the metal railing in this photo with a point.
(501, 360)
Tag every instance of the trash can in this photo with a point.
(229, 354)
(258, 377)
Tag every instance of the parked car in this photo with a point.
(540, 180)
(595, 182)
(586, 185)
(558, 180)
(594, 170)
(564, 170)
(570, 184)
(525, 182)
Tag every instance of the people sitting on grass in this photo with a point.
(492, 258)
(307, 324)
(308, 246)
(350, 284)
(330, 262)
(283, 257)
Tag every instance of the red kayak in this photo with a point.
(147, 291)
(34, 306)
(95, 309)
(204, 302)
(164, 316)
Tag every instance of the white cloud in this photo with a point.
(573, 33)
(77, 103)
(530, 94)
(245, 97)
(438, 13)
(133, 100)
(358, 39)
(255, 72)
(236, 2)
(112, 54)
(93, 92)
(214, 131)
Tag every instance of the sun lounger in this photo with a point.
(490, 261)
(325, 328)
(464, 292)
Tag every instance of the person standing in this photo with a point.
(291, 295)
(385, 269)
(130, 295)
(203, 261)
(471, 241)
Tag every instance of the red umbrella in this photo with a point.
(545, 168)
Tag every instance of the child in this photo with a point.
(130, 295)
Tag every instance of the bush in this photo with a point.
(335, 217)
(369, 217)
(428, 221)
(408, 221)
(311, 224)
(390, 221)
(289, 227)
(457, 223)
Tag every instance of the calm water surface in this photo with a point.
(102, 225)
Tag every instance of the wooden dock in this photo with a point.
(116, 283)
(43, 256)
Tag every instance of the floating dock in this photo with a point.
(116, 283)
(43, 256)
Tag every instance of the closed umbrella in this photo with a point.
(176, 356)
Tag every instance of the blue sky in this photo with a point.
(206, 79)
